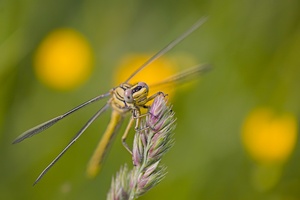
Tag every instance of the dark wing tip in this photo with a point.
(21, 137)
(17, 140)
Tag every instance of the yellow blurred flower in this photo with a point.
(63, 60)
(269, 137)
(158, 71)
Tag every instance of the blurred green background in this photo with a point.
(254, 47)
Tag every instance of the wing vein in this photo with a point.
(170, 46)
(41, 127)
(89, 122)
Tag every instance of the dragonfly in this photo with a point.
(123, 99)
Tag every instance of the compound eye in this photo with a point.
(144, 85)
(141, 85)
(128, 96)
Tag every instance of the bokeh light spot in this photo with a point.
(158, 71)
(63, 60)
(269, 137)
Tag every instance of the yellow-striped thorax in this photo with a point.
(127, 96)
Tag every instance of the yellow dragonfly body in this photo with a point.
(123, 99)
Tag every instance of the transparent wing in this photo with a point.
(170, 46)
(184, 76)
(41, 127)
(89, 122)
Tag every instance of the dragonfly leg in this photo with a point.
(136, 115)
(125, 134)
(155, 95)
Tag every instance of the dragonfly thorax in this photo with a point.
(137, 93)
(127, 96)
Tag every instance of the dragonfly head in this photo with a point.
(136, 93)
